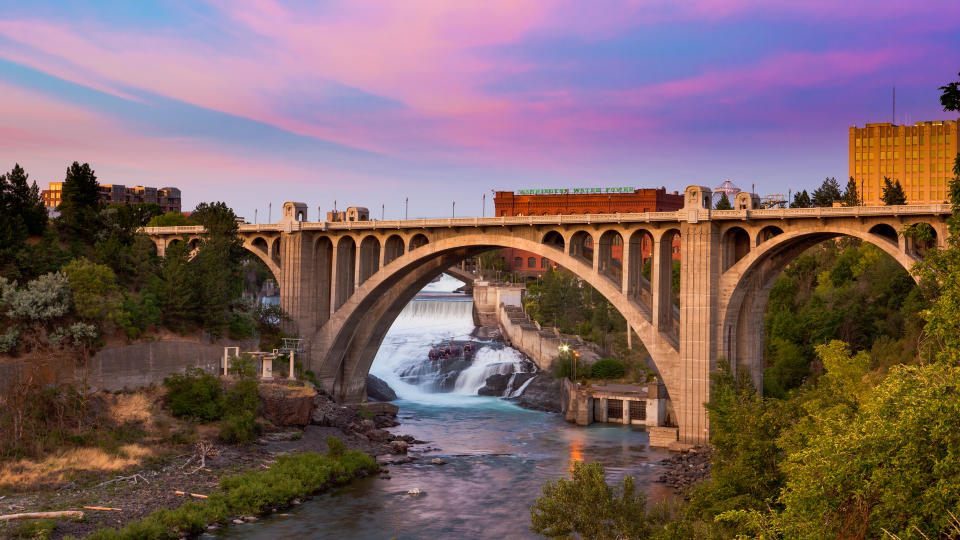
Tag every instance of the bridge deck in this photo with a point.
(562, 219)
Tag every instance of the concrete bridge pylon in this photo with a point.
(344, 283)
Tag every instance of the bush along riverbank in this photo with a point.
(291, 478)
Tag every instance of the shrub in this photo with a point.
(608, 368)
(251, 493)
(195, 395)
(240, 428)
(335, 445)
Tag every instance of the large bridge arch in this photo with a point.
(349, 347)
(745, 286)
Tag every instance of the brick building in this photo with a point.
(168, 198)
(919, 156)
(545, 202)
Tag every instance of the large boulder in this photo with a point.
(495, 385)
(285, 405)
(542, 394)
(504, 385)
(327, 412)
(379, 390)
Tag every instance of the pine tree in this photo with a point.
(176, 298)
(827, 193)
(893, 193)
(80, 205)
(801, 200)
(723, 203)
(850, 196)
(24, 200)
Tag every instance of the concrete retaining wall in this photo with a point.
(541, 346)
(142, 364)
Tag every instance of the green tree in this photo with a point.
(80, 205)
(174, 287)
(827, 194)
(723, 203)
(96, 297)
(586, 506)
(851, 197)
(170, 219)
(893, 193)
(21, 199)
(801, 200)
(892, 465)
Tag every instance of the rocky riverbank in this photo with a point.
(112, 500)
(686, 468)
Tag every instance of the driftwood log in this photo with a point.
(75, 514)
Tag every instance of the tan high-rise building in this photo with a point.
(920, 156)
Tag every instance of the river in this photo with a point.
(497, 455)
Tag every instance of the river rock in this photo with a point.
(437, 461)
(327, 412)
(416, 492)
(542, 394)
(381, 409)
(379, 390)
(398, 447)
(286, 405)
(495, 385)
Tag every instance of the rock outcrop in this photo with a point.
(686, 468)
(542, 394)
(505, 384)
(379, 390)
(285, 405)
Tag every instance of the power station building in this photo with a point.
(546, 202)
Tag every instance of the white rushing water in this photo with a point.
(434, 316)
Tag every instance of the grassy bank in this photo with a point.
(252, 493)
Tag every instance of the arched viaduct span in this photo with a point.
(344, 283)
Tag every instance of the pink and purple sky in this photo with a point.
(368, 102)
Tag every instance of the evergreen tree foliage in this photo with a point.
(893, 193)
(827, 194)
(174, 287)
(80, 204)
(851, 197)
(801, 200)
(96, 297)
(19, 198)
(723, 203)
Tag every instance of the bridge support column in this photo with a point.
(700, 262)
(298, 294)
(661, 281)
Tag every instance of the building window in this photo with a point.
(531, 262)
(544, 263)
(517, 262)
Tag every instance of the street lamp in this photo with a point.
(453, 213)
(406, 208)
(483, 212)
(564, 349)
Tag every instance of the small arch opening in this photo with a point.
(275, 251)
(611, 256)
(369, 257)
(418, 240)
(921, 238)
(581, 246)
(887, 232)
(736, 245)
(554, 239)
(767, 233)
(260, 244)
(393, 249)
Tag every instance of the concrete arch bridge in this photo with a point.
(344, 283)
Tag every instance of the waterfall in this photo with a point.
(488, 361)
(434, 316)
